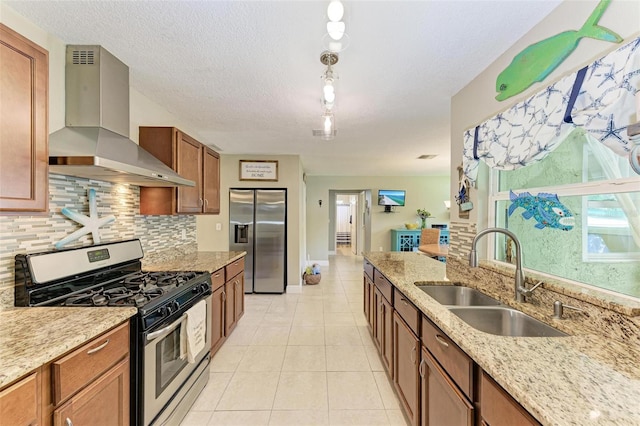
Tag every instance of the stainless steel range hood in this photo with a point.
(95, 144)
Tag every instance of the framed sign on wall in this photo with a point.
(264, 170)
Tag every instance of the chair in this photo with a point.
(430, 236)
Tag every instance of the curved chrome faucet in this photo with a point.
(518, 285)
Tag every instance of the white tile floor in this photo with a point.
(301, 359)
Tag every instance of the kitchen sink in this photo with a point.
(504, 321)
(454, 295)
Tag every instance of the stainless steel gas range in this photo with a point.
(164, 384)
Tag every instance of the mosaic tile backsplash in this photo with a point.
(31, 234)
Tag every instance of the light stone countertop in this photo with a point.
(584, 379)
(209, 261)
(31, 337)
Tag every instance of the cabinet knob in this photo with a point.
(68, 422)
(98, 348)
(200, 201)
(413, 355)
(206, 202)
(442, 341)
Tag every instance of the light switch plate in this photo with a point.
(218, 226)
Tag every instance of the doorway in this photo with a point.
(349, 225)
(346, 224)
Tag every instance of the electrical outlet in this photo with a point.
(184, 234)
(218, 226)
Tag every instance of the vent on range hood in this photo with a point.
(95, 144)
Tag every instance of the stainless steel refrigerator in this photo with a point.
(258, 225)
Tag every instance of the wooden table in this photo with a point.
(435, 250)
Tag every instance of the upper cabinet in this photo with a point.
(24, 80)
(190, 159)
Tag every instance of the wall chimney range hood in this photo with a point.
(95, 143)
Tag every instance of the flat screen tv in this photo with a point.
(391, 197)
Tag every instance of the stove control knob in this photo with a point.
(204, 288)
(167, 310)
(175, 305)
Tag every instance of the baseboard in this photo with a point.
(294, 288)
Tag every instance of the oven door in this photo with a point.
(164, 371)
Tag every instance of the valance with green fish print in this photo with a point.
(603, 97)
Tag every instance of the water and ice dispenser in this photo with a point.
(241, 234)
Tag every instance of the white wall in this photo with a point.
(422, 192)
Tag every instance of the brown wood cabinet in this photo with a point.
(498, 408)
(383, 336)
(190, 159)
(104, 402)
(406, 354)
(87, 386)
(20, 403)
(24, 156)
(369, 303)
(227, 302)
(217, 310)
(441, 402)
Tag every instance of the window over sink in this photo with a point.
(599, 188)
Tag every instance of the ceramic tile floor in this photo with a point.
(301, 359)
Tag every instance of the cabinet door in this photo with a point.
(498, 408)
(217, 319)
(104, 402)
(211, 181)
(238, 295)
(386, 342)
(406, 353)
(20, 403)
(442, 403)
(229, 308)
(369, 303)
(24, 158)
(377, 322)
(189, 166)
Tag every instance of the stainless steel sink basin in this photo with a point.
(458, 296)
(504, 321)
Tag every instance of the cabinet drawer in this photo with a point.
(368, 269)
(383, 284)
(234, 268)
(407, 311)
(453, 359)
(217, 279)
(80, 367)
(498, 408)
(20, 402)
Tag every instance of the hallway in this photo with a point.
(301, 359)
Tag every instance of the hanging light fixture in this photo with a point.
(328, 80)
(336, 39)
(328, 126)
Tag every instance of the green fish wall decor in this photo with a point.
(538, 60)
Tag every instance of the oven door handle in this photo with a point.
(166, 330)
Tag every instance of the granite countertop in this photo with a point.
(576, 380)
(209, 261)
(31, 337)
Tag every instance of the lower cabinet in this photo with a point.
(384, 330)
(88, 386)
(441, 402)
(498, 408)
(217, 319)
(437, 383)
(227, 304)
(20, 403)
(369, 309)
(234, 302)
(103, 402)
(406, 347)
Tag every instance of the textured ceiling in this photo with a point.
(247, 74)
